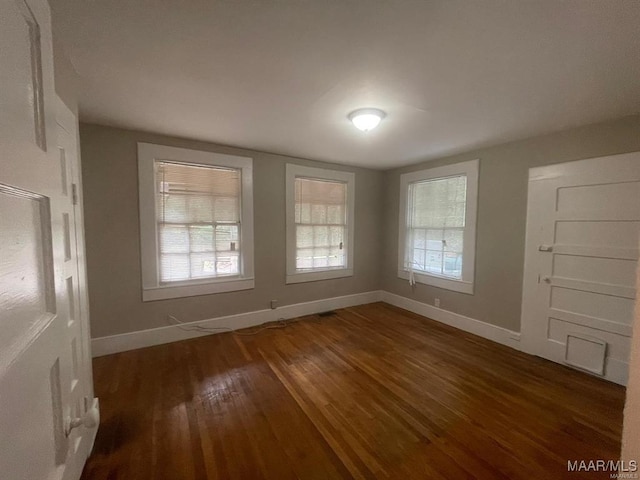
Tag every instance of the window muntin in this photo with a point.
(320, 223)
(435, 226)
(198, 221)
(320, 216)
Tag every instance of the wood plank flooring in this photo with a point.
(370, 392)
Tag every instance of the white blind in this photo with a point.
(321, 224)
(198, 221)
(435, 226)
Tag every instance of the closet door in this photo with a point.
(583, 230)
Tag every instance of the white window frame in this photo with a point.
(152, 288)
(466, 283)
(299, 171)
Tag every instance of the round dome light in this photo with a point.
(366, 119)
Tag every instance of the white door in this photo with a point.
(583, 226)
(38, 383)
(80, 380)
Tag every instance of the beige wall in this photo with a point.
(109, 163)
(501, 223)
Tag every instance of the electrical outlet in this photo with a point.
(437, 302)
(274, 304)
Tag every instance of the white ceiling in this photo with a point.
(281, 76)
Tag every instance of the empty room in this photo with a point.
(338, 239)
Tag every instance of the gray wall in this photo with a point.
(110, 182)
(109, 162)
(502, 204)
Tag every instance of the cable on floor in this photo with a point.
(187, 327)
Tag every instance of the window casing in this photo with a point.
(438, 209)
(196, 222)
(320, 217)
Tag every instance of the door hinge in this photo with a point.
(74, 193)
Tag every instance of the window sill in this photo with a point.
(441, 282)
(150, 294)
(319, 275)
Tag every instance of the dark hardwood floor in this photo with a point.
(371, 392)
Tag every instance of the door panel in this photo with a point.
(37, 399)
(22, 92)
(559, 329)
(607, 197)
(593, 269)
(587, 302)
(32, 410)
(583, 223)
(26, 268)
(590, 234)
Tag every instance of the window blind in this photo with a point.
(198, 221)
(435, 226)
(321, 224)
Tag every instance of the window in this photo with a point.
(437, 226)
(196, 222)
(320, 215)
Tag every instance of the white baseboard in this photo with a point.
(618, 370)
(171, 333)
(468, 324)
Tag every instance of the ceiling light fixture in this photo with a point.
(366, 119)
